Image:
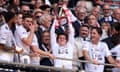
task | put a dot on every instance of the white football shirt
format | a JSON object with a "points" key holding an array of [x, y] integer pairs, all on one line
{"points": [[98, 52]]}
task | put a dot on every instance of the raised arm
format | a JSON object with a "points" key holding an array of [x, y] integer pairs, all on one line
{"points": [[28, 40], [71, 33], [52, 34]]}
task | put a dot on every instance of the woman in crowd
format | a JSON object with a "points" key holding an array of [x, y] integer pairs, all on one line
{"points": [[106, 26], [96, 51]]}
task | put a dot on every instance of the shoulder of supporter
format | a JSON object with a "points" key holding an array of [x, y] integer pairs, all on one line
{"points": [[85, 45], [21, 31], [106, 49], [78, 41], [4, 27], [104, 44]]}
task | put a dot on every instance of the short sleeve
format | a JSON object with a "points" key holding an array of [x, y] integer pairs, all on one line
{"points": [[4, 34], [35, 41], [3, 37], [85, 46], [22, 32], [107, 51]]}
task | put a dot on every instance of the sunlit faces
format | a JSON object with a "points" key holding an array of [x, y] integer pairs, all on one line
{"points": [[37, 14], [46, 37], [81, 13], [19, 19], [16, 2], [84, 32], [106, 26], [96, 12], [81, 4], [2, 2], [47, 21], [62, 40], [27, 22], [46, 11], [116, 14], [92, 21], [25, 9], [38, 3], [95, 34], [106, 10]]}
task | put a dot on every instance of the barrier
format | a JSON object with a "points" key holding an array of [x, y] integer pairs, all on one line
{"points": [[31, 68], [35, 68]]}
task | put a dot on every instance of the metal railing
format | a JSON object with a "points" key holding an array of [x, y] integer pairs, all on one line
{"points": [[31, 68], [35, 68]]}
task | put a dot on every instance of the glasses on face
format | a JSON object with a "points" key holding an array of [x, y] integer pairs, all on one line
{"points": [[26, 11], [81, 12], [19, 17], [91, 18], [106, 9], [29, 21], [37, 17]]}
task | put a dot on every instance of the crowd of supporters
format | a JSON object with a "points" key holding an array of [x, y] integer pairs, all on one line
{"points": [[71, 29]]}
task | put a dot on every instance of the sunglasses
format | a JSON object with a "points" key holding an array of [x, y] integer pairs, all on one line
{"points": [[37, 16]]}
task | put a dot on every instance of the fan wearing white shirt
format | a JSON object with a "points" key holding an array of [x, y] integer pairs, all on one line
{"points": [[115, 51], [26, 39], [6, 41], [96, 51], [63, 47]]}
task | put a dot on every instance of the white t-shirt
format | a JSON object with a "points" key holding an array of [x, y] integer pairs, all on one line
{"points": [[63, 52], [97, 52], [116, 50], [21, 33], [6, 39], [66, 51], [35, 59]]}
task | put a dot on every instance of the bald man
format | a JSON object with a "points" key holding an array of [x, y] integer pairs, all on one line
{"points": [[81, 14], [107, 14], [116, 15]]}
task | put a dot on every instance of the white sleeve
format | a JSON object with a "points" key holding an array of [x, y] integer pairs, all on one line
{"points": [[22, 33], [3, 37], [85, 46], [4, 34], [73, 17], [71, 34], [52, 34], [107, 51], [35, 41], [115, 50]]}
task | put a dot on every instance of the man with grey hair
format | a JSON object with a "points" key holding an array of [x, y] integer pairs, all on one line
{"points": [[81, 14], [107, 14], [81, 3], [116, 15], [45, 21]]}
